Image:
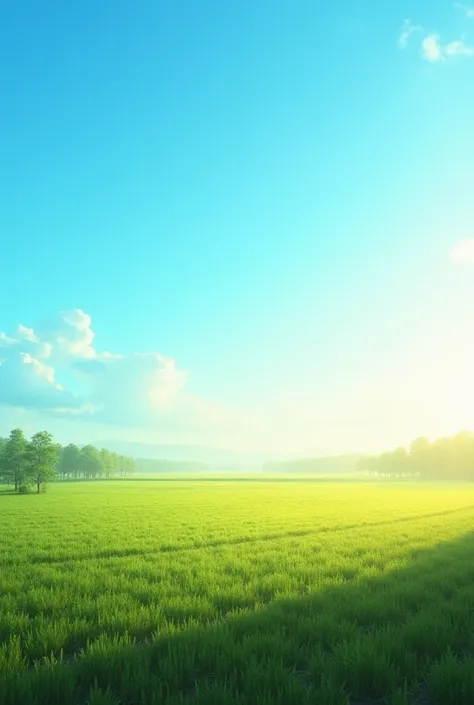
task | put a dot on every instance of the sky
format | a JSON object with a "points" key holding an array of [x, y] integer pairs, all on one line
{"points": [[246, 225]]}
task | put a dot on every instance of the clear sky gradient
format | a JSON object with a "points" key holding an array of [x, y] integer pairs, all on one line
{"points": [[267, 194]]}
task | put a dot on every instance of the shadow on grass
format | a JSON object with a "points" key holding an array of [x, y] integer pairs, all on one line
{"points": [[400, 638]]}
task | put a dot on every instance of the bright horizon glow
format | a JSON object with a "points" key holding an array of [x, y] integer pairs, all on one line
{"points": [[463, 253], [236, 227]]}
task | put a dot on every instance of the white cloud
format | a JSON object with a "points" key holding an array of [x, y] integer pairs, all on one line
{"points": [[27, 382], [458, 48], [406, 31], [24, 342], [142, 390], [463, 253], [133, 388], [145, 396], [39, 368], [26, 334], [468, 11], [431, 49], [5, 341], [70, 334]]}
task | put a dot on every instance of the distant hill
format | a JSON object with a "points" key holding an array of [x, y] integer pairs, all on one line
{"points": [[155, 457], [213, 458], [343, 464], [150, 465]]}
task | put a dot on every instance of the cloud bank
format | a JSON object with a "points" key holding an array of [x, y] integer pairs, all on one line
{"points": [[53, 375], [55, 368]]}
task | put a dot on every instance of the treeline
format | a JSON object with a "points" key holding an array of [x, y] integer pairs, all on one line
{"points": [[33, 463], [90, 462], [443, 459]]}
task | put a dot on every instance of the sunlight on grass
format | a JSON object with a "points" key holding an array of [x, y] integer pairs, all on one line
{"points": [[241, 592]]}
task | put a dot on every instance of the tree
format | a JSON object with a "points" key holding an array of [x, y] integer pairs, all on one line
{"points": [[14, 459], [400, 462], [362, 465], [107, 462], [114, 463], [43, 457], [462, 456], [421, 459], [122, 465], [90, 461], [441, 465], [70, 460], [372, 465], [385, 464]]}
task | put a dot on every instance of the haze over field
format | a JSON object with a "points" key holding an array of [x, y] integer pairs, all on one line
{"points": [[247, 228], [236, 352]]}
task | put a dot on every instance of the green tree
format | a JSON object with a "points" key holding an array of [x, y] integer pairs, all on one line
{"points": [[3, 442], [122, 465], [90, 461], [14, 459], [400, 462], [107, 462], [441, 464], [114, 463], [362, 465], [421, 457], [43, 457], [385, 464], [462, 456], [70, 460], [373, 465]]}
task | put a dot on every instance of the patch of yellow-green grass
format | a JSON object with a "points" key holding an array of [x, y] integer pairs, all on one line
{"points": [[198, 591]]}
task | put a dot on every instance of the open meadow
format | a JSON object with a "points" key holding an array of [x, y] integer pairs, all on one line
{"points": [[220, 592]]}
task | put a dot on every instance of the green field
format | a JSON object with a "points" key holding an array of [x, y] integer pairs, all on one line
{"points": [[237, 592]]}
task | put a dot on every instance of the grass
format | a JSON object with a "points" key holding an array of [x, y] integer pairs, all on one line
{"points": [[233, 593]]}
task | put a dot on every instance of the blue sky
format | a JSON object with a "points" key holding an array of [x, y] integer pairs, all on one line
{"points": [[260, 198]]}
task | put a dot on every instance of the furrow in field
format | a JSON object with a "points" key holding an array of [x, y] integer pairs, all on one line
{"points": [[236, 541]]}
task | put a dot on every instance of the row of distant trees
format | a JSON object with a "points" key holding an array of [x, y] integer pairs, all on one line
{"points": [[90, 462], [443, 459], [35, 462]]}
